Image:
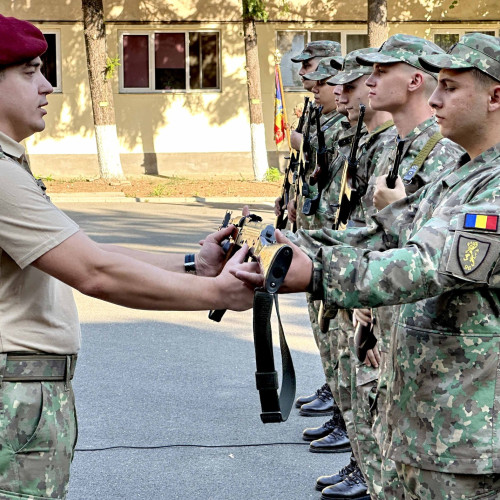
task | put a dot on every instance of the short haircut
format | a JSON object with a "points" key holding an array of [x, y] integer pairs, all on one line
{"points": [[482, 79]]}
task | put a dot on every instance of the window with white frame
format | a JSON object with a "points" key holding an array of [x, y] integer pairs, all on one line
{"points": [[51, 59], [449, 37], [291, 43], [163, 61]]}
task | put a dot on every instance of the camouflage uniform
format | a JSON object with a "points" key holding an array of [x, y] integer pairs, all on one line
{"points": [[415, 175], [443, 398], [331, 124]]}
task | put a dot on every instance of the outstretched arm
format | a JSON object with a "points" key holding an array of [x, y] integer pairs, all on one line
{"points": [[121, 279]]}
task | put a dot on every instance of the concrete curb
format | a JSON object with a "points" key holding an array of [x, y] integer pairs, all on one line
{"points": [[113, 197]]}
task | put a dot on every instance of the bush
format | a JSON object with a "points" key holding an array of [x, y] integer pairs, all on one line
{"points": [[272, 175]]}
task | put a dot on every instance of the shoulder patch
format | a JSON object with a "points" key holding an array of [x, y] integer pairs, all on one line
{"points": [[473, 256], [471, 253]]}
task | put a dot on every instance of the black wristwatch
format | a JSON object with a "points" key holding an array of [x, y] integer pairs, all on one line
{"points": [[189, 263]]}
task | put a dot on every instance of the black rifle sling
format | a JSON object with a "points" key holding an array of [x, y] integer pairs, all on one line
{"points": [[274, 408]]}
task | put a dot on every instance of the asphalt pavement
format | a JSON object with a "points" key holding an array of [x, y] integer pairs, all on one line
{"points": [[166, 401]]}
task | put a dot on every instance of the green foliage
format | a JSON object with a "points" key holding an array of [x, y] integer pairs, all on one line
{"points": [[255, 9], [49, 177], [272, 175], [158, 190], [453, 4], [285, 7], [111, 66]]}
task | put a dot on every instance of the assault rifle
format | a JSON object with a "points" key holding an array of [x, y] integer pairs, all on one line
{"points": [[348, 198], [301, 186], [290, 171], [320, 174], [364, 338], [275, 259]]}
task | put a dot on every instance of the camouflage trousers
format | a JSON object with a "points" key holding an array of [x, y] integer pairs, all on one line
{"points": [[357, 387], [389, 483], [422, 484], [324, 345], [38, 432]]}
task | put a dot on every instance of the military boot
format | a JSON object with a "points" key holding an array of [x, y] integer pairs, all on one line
{"points": [[353, 487], [335, 442], [324, 481], [322, 405], [307, 399]]}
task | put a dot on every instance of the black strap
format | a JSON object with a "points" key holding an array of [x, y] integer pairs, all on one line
{"points": [[274, 408]]}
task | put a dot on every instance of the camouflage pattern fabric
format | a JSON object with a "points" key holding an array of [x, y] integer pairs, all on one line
{"points": [[421, 483], [327, 345], [402, 48], [387, 482], [332, 136], [318, 48], [444, 271], [38, 434], [363, 379], [474, 50]]}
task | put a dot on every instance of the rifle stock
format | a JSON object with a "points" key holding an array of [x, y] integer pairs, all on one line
{"points": [[275, 258], [281, 219]]}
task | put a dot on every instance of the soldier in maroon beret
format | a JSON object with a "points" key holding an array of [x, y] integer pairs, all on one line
{"points": [[43, 254]]}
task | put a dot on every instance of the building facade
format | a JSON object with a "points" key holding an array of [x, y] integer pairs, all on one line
{"points": [[180, 91]]}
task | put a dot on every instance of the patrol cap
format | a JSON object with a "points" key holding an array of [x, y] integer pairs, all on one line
{"points": [[319, 48], [324, 70], [351, 69], [402, 48], [20, 41], [474, 50]]}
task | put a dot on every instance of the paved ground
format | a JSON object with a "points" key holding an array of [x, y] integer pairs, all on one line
{"points": [[175, 392]]}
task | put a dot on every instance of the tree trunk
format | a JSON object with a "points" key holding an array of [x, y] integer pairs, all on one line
{"points": [[257, 131], [101, 93], [377, 22]]}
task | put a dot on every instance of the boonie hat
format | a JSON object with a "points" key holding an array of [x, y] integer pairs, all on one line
{"points": [[402, 48], [474, 50], [351, 69], [20, 41], [324, 70], [319, 48]]}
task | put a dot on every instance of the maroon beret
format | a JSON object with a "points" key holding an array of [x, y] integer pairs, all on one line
{"points": [[20, 41]]}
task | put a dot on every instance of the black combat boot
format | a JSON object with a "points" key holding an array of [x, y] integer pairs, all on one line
{"points": [[307, 399], [322, 405], [335, 442], [324, 481], [353, 487]]}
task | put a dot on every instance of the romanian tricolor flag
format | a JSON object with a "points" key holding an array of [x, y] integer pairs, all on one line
{"points": [[479, 221], [279, 109]]}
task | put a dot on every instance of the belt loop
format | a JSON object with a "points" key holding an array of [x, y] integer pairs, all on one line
{"points": [[3, 365], [67, 373]]}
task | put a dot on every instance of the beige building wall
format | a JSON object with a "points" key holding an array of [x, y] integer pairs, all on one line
{"points": [[198, 133]]}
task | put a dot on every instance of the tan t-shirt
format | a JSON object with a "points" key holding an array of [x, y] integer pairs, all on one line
{"points": [[37, 312]]}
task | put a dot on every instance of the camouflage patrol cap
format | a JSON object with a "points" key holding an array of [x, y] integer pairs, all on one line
{"points": [[324, 70], [351, 69], [319, 48], [402, 48], [474, 50]]}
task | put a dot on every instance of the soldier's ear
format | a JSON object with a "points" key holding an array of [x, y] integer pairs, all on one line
{"points": [[417, 80], [494, 98]]}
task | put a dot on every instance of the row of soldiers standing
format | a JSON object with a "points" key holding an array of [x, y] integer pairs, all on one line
{"points": [[393, 89]]}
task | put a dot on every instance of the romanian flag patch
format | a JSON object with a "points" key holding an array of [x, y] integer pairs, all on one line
{"points": [[477, 221]]}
